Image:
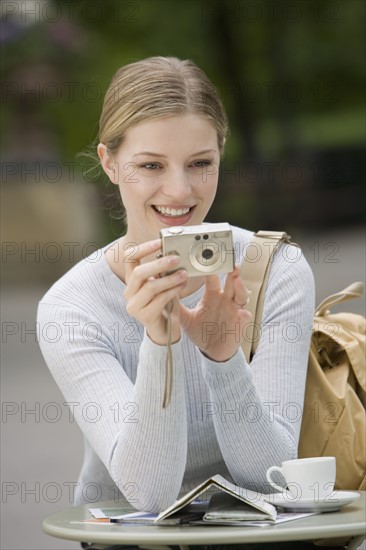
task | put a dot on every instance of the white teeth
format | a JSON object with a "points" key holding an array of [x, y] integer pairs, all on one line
{"points": [[172, 211]]}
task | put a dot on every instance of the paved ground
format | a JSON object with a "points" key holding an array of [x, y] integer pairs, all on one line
{"points": [[41, 448]]}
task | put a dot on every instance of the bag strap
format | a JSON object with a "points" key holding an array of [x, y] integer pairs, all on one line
{"points": [[254, 271], [354, 290]]}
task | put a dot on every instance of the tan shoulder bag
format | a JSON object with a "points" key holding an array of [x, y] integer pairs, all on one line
{"points": [[334, 420]]}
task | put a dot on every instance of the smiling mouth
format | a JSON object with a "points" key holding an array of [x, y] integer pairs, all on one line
{"points": [[173, 212]]}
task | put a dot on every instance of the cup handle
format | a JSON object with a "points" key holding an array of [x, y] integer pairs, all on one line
{"points": [[268, 476]]}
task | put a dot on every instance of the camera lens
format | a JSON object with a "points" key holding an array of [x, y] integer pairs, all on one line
{"points": [[205, 237], [207, 253], [205, 256]]}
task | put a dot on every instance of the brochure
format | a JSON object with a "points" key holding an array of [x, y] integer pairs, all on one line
{"points": [[216, 501], [256, 505]]}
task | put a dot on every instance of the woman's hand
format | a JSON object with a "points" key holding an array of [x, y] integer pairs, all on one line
{"points": [[147, 293], [216, 325]]}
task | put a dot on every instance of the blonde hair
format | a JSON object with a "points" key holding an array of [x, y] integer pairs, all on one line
{"points": [[158, 87]]}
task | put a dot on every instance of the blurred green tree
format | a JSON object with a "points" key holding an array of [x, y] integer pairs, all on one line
{"points": [[291, 75]]}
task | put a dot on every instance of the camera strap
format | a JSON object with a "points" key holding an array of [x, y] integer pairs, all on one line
{"points": [[169, 358], [255, 272]]}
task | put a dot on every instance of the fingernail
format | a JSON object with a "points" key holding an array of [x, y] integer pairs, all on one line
{"points": [[172, 259]]}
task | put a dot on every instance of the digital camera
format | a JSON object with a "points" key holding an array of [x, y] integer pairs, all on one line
{"points": [[203, 249]]}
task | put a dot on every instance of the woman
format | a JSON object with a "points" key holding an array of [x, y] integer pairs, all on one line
{"points": [[162, 134]]}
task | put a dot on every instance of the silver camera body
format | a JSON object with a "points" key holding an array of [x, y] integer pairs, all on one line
{"points": [[203, 249]]}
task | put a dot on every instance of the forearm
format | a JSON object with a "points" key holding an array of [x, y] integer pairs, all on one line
{"points": [[138, 442], [251, 432], [151, 451], [268, 395]]}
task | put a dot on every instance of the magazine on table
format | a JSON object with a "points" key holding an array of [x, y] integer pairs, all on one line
{"points": [[256, 506], [221, 503]]}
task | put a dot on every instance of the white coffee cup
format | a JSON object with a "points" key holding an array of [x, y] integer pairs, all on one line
{"points": [[306, 478]]}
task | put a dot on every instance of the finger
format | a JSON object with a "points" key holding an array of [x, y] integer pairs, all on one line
{"points": [[153, 287], [148, 272], [241, 294], [134, 253], [244, 316], [213, 283], [160, 301], [232, 279]]}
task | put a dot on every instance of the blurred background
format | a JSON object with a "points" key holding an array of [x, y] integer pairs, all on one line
{"points": [[292, 77]]}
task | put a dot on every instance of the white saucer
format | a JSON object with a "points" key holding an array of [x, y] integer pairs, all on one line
{"points": [[335, 501]]}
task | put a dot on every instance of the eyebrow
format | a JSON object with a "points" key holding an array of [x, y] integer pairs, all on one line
{"points": [[151, 154]]}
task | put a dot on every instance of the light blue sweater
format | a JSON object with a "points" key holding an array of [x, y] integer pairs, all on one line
{"points": [[228, 418]]}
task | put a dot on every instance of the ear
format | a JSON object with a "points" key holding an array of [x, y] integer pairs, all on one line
{"points": [[108, 163]]}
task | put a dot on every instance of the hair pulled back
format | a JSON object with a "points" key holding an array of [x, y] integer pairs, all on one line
{"points": [[158, 87]]}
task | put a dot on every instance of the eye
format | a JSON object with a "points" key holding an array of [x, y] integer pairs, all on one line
{"points": [[150, 165], [202, 163]]}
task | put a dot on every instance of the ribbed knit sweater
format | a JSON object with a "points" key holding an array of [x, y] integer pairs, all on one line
{"points": [[229, 418]]}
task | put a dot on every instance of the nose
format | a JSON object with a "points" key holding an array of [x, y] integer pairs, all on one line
{"points": [[177, 186]]}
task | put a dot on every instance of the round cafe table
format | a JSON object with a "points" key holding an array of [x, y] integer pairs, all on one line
{"points": [[350, 521]]}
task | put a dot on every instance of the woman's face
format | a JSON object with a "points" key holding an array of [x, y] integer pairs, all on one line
{"points": [[167, 172]]}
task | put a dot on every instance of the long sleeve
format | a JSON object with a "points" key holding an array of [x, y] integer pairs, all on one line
{"points": [[257, 409], [138, 441], [229, 418]]}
